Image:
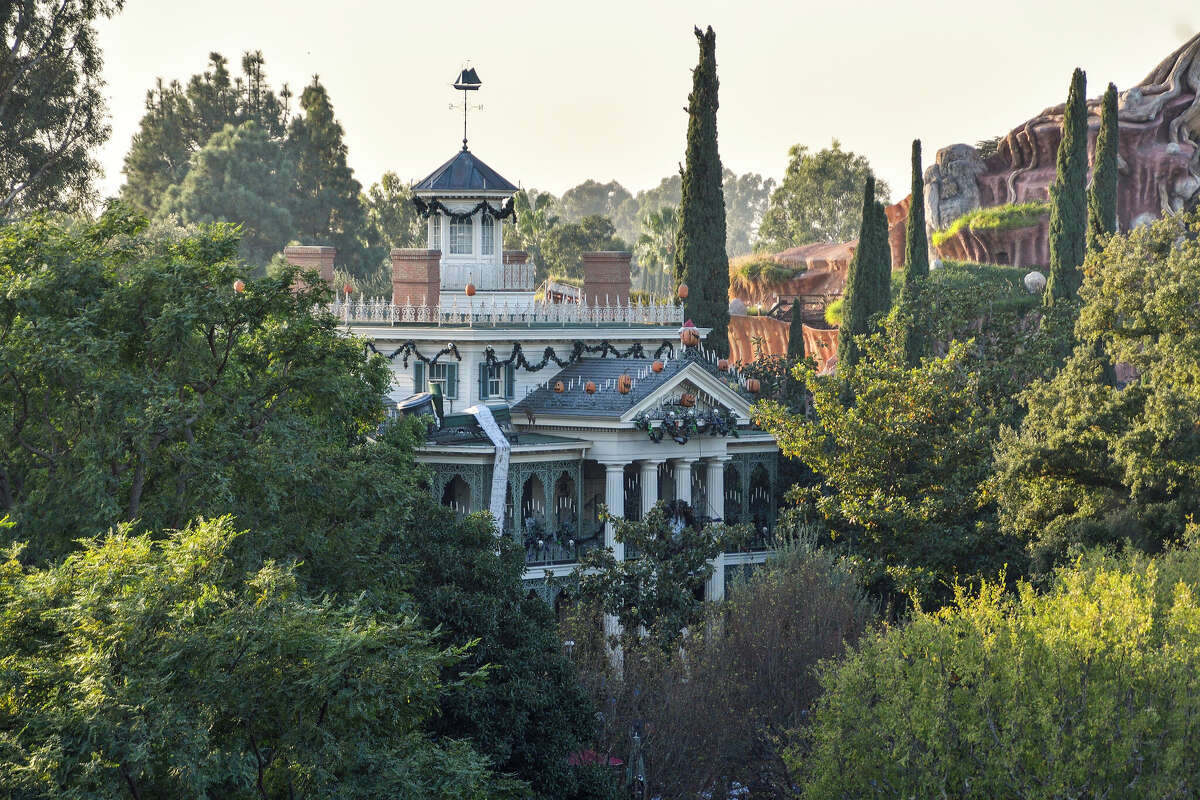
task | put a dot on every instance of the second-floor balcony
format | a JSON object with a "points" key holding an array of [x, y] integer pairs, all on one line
{"points": [[487, 276]]}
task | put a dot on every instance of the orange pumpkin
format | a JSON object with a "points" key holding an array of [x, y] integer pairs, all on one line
{"points": [[683, 291], [348, 289], [559, 388], [689, 337], [657, 366], [624, 384], [723, 364], [687, 400], [239, 286], [470, 290], [752, 385], [590, 388]]}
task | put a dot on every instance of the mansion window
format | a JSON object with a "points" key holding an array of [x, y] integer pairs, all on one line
{"points": [[460, 238], [496, 381], [435, 232], [487, 234], [444, 376]]}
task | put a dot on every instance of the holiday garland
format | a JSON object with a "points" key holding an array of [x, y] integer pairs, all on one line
{"points": [[578, 349], [683, 423], [507, 209], [409, 350]]}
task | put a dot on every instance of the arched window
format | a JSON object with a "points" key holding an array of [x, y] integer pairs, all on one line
{"points": [[487, 234], [460, 238], [435, 231]]}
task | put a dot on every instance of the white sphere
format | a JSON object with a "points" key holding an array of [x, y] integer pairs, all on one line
{"points": [[1035, 282]]}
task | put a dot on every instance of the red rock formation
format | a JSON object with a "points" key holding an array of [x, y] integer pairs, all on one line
{"points": [[1020, 247], [897, 217], [824, 274], [748, 335]]}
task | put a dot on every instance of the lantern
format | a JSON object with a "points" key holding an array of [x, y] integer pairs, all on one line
{"points": [[470, 290], [689, 337], [723, 364], [348, 289], [590, 388], [657, 366], [687, 400], [683, 291], [624, 384], [559, 388], [752, 385], [239, 286]]}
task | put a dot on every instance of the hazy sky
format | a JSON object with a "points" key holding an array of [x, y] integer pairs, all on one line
{"points": [[596, 90]]}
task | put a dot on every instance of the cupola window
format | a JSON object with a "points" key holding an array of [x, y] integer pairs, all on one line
{"points": [[460, 238], [487, 234], [435, 232]]}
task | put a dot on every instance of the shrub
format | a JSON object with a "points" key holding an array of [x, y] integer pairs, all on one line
{"points": [[994, 218]]}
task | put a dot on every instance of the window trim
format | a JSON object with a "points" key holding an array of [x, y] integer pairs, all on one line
{"points": [[487, 234], [456, 239]]}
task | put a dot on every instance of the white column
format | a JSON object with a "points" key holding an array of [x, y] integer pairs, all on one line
{"points": [[614, 498], [683, 479], [714, 489], [649, 485]]}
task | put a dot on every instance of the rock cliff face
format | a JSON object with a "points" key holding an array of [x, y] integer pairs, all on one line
{"points": [[1159, 163], [1019, 247]]}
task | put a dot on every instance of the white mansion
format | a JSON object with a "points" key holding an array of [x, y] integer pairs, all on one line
{"points": [[554, 403]]}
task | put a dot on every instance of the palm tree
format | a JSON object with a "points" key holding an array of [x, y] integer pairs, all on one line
{"points": [[534, 222], [656, 249]]}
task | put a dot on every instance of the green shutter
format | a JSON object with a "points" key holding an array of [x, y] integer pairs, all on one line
{"points": [[419, 377], [452, 381], [483, 381], [510, 381]]}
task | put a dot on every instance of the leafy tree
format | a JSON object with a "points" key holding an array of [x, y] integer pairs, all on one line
{"points": [[1099, 462], [52, 111], [391, 215], [242, 177], [324, 200], [566, 242], [818, 199], [138, 668], [1068, 206], [746, 199], [594, 199], [1102, 194], [916, 262], [533, 225], [655, 250], [1084, 690], [700, 258], [180, 120], [868, 280]]}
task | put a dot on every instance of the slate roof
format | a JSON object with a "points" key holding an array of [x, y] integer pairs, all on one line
{"points": [[464, 173], [607, 401]]}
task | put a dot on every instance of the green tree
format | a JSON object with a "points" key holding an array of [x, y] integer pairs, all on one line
{"points": [[916, 263], [531, 231], [818, 199], [239, 176], [1102, 462], [592, 198], [700, 258], [391, 215], [655, 250], [565, 243], [1068, 206], [142, 668], [52, 113], [746, 199], [868, 280], [1084, 690], [1102, 194], [324, 201]]}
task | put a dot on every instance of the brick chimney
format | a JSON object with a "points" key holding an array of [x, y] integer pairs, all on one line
{"points": [[516, 257], [316, 257], [606, 277], [416, 276]]}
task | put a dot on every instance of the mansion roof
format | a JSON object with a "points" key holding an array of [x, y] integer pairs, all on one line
{"points": [[464, 173]]}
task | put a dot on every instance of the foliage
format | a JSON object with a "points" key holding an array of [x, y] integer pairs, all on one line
{"points": [[566, 242], [916, 264], [532, 227], [594, 199], [51, 103], [818, 200], [655, 250], [746, 199], [159, 669], [1068, 206], [325, 202], [1102, 194], [1085, 690], [835, 312], [700, 258], [753, 271], [1096, 461], [868, 279], [239, 176], [994, 218], [391, 221]]}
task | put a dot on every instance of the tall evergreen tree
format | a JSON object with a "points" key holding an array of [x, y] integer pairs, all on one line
{"points": [[859, 300], [1068, 207], [881, 281], [700, 258], [326, 202], [916, 262], [1102, 196]]}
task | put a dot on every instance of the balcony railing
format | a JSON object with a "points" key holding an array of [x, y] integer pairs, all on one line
{"points": [[498, 311], [488, 277]]}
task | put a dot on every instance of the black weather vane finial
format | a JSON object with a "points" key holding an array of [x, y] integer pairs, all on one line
{"points": [[468, 81]]}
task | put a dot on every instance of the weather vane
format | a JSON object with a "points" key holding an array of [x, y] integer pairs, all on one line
{"points": [[467, 81]]}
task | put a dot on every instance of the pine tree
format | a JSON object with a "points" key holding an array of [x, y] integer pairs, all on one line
{"points": [[916, 263], [858, 295], [700, 258], [881, 283], [326, 202], [1102, 196], [1068, 207]]}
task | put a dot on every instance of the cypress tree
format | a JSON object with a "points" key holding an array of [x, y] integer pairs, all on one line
{"points": [[700, 258], [1068, 207], [881, 284], [1102, 196], [795, 351], [858, 300], [916, 263]]}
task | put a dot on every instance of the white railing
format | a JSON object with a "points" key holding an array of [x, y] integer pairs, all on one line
{"points": [[494, 311], [488, 276]]}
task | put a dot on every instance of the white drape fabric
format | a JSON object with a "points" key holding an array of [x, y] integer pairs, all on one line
{"points": [[483, 415]]}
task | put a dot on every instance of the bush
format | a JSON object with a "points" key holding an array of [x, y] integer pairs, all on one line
{"points": [[994, 218], [754, 270], [1086, 691]]}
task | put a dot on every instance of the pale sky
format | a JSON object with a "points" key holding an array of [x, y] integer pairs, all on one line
{"points": [[577, 90]]}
